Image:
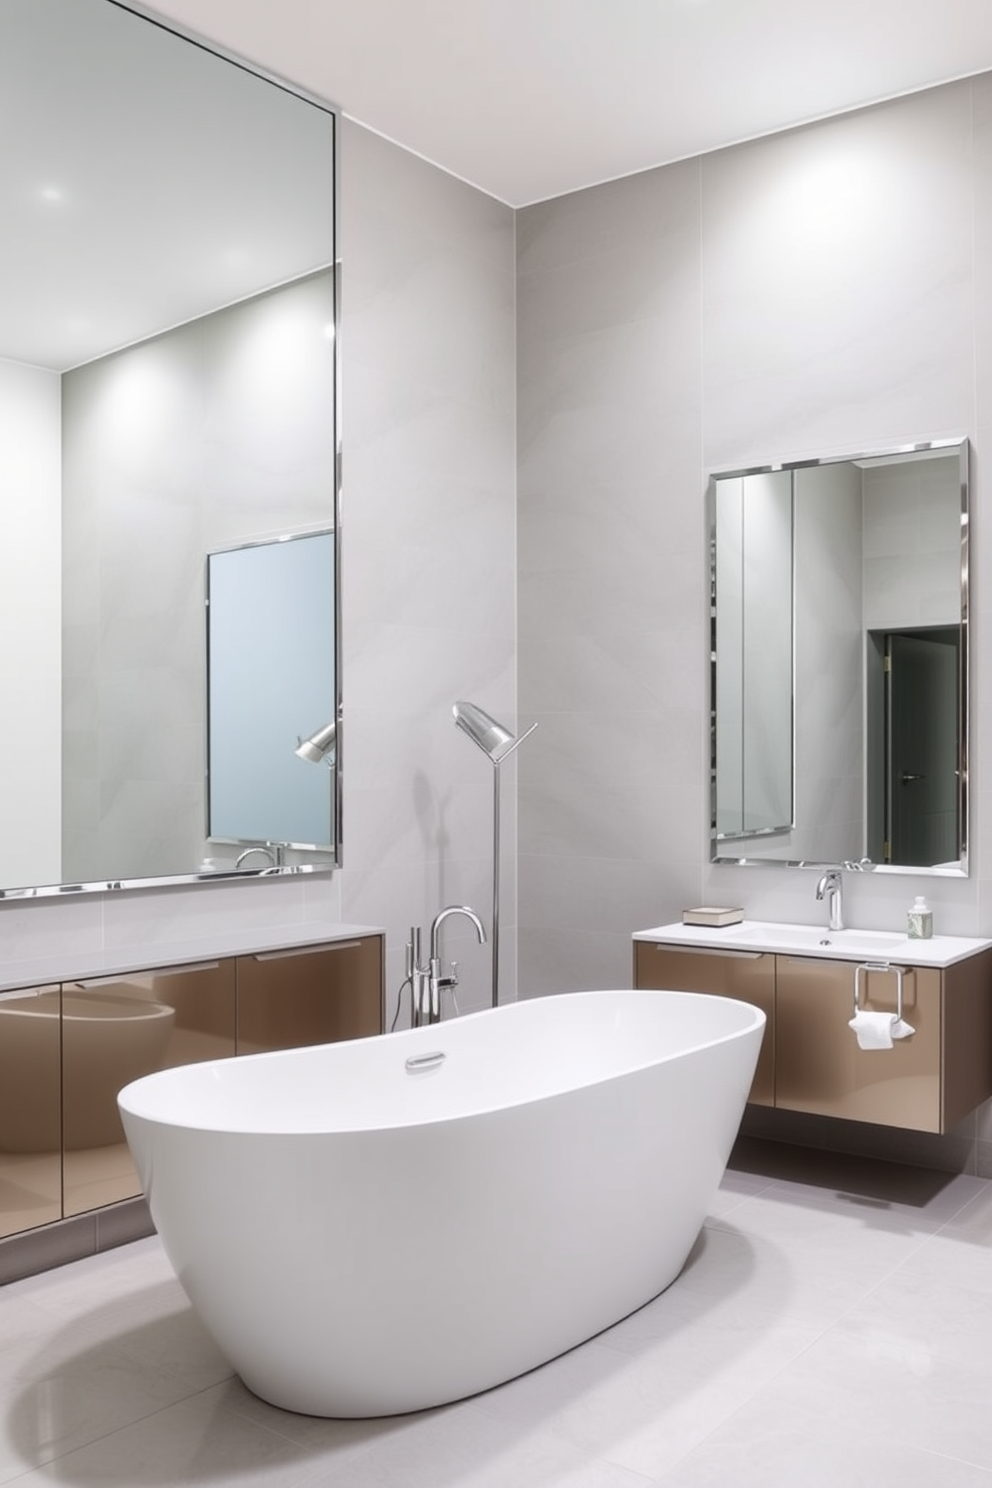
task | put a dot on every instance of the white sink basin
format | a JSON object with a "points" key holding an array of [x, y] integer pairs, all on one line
{"points": [[810, 939], [771, 936]]}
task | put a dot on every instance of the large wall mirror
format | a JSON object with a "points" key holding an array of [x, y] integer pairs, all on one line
{"points": [[839, 661], [168, 390]]}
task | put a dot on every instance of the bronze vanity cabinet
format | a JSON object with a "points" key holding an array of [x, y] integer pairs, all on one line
{"points": [[746, 975], [115, 1029], [67, 1049], [313, 995], [811, 1061], [819, 1065], [928, 1082], [30, 1109]]}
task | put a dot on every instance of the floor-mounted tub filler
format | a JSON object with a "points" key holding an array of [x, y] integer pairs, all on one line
{"points": [[379, 1226]]}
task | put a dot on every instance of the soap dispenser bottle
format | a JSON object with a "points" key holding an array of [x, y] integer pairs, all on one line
{"points": [[920, 920]]}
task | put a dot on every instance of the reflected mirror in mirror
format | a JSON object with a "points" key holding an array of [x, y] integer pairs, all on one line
{"points": [[753, 559], [270, 648], [839, 661], [168, 312]]}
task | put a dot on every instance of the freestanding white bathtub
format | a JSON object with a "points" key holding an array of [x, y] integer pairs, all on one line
{"points": [[378, 1226]]}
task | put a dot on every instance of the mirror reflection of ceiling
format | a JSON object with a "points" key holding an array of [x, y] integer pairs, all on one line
{"points": [[167, 378], [528, 99], [86, 264]]}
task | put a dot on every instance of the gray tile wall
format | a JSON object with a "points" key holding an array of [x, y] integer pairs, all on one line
{"points": [[612, 598], [817, 292], [429, 531]]}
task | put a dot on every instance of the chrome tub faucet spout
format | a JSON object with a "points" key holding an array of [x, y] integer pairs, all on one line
{"points": [[428, 981], [830, 888]]}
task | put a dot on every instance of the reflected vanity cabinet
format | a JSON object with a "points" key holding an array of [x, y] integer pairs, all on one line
{"points": [[810, 1058], [67, 1048]]}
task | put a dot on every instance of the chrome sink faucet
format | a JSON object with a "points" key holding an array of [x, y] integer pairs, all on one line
{"points": [[428, 981], [271, 851], [831, 888]]}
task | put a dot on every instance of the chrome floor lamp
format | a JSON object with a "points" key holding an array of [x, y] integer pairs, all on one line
{"points": [[496, 743]]}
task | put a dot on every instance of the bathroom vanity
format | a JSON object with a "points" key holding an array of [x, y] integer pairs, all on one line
{"points": [[808, 982], [68, 1044]]}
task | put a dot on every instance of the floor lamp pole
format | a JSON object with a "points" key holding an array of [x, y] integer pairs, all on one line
{"points": [[495, 927]]}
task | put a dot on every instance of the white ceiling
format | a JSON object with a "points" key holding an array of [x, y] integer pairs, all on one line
{"points": [[532, 98], [213, 189]]}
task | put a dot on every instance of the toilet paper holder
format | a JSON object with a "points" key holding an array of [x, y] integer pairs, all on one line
{"points": [[899, 972]]}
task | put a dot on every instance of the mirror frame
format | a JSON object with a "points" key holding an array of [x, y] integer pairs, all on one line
{"points": [[961, 445], [330, 859]]}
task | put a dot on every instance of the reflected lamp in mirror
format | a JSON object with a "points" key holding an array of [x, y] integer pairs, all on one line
{"points": [[839, 661], [319, 748], [270, 662]]}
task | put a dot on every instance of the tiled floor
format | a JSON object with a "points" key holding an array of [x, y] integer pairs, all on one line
{"points": [[832, 1328]]}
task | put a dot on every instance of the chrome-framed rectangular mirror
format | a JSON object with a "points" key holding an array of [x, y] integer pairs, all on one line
{"points": [[169, 386], [839, 661]]}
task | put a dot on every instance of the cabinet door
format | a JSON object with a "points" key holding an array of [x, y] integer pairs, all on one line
{"points": [[748, 976], [820, 1066], [113, 1031], [30, 1110], [312, 996]]}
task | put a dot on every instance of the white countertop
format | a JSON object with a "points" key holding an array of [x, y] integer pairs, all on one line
{"points": [[61, 967], [817, 941]]}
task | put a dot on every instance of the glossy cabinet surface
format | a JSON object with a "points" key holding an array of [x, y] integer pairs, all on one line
{"points": [[820, 1066], [67, 1049], [314, 996], [811, 1060], [746, 975], [114, 1031], [30, 1109]]}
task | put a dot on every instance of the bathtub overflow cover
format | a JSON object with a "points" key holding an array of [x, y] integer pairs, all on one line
{"points": [[418, 1062]]}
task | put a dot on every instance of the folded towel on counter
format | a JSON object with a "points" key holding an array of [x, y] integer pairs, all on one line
{"points": [[877, 1030]]}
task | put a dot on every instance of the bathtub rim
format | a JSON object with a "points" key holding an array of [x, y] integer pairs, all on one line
{"points": [[130, 1103]]}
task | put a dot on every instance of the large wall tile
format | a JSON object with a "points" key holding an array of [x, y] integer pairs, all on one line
{"points": [[837, 283], [428, 543], [611, 550]]}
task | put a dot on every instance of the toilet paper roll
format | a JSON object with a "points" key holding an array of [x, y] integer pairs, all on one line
{"points": [[877, 1030]]}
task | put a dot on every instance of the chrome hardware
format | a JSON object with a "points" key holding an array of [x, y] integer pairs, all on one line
{"points": [[899, 972], [691, 950], [830, 887], [418, 1062], [428, 981], [273, 851], [907, 777], [307, 950]]}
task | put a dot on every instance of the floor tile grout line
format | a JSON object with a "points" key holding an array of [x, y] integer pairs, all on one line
{"points": [[951, 1457], [139, 1420], [743, 1405]]}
